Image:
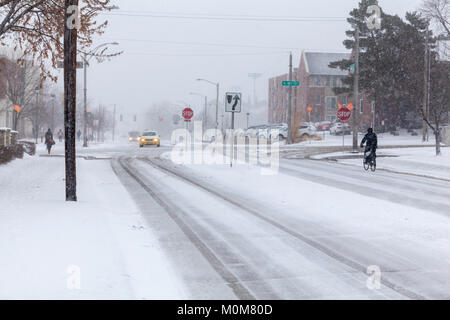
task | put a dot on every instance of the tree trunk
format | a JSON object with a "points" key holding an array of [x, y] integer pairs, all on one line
{"points": [[438, 140], [70, 80]]}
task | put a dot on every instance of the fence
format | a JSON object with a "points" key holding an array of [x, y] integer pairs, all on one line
{"points": [[11, 148]]}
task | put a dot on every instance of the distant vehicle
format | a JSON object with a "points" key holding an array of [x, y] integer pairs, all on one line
{"points": [[307, 129], [149, 138], [324, 126], [257, 131], [133, 136], [266, 131], [340, 129]]}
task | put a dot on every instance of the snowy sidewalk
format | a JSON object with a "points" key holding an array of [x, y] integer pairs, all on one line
{"points": [[98, 248]]}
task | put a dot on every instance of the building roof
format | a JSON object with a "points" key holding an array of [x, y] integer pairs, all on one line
{"points": [[317, 63]]}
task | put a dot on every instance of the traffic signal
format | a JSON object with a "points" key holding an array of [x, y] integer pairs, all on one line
{"points": [[135, 118], [121, 118], [161, 118]]}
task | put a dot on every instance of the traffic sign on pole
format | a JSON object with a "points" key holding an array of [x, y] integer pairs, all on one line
{"points": [[188, 114], [344, 114], [233, 102], [291, 83]]}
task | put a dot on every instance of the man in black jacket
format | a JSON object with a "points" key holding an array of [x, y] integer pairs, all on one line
{"points": [[371, 141]]}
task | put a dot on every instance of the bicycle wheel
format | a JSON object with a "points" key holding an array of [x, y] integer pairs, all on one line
{"points": [[366, 165], [373, 165]]}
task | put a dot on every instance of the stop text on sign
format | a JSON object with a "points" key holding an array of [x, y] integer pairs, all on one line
{"points": [[344, 114], [188, 114]]}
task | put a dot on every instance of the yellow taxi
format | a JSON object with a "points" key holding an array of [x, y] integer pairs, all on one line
{"points": [[149, 138]]}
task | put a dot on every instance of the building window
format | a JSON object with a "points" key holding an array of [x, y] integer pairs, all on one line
{"points": [[318, 99], [331, 105], [328, 81], [361, 104], [318, 82], [343, 100], [334, 82]]}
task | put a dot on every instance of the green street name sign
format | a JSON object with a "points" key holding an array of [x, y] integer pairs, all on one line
{"points": [[352, 68], [291, 83]]}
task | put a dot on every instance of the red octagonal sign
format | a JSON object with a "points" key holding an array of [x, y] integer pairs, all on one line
{"points": [[188, 113], [344, 114]]}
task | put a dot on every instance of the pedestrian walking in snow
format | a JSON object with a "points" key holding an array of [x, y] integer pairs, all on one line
{"points": [[49, 142]]}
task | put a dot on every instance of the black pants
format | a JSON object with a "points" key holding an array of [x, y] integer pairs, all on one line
{"points": [[373, 154]]}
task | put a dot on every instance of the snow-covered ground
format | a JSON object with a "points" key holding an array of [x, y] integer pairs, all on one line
{"points": [[418, 161], [384, 139], [147, 228], [97, 248], [383, 220]]}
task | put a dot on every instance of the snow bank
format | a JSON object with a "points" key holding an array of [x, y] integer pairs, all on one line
{"points": [[98, 248]]}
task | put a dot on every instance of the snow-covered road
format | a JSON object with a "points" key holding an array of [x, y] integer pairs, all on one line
{"points": [[147, 228], [311, 232]]}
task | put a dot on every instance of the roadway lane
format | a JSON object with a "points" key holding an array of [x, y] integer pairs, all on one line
{"points": [[223, 248]]}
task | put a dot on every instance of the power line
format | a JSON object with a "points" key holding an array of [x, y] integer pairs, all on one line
{"points": [[204, 54], [205, 44], [191, 16]]}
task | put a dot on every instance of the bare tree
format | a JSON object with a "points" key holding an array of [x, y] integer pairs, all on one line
{"points": [[35, 28], [439, 108], [438, 11]]}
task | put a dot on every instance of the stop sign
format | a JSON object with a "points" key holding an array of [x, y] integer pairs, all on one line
{"points": [[344, 114], [188, 113]]}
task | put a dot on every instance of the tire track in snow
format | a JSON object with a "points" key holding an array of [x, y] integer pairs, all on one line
{"points": [[238, 288], [312, 243]]}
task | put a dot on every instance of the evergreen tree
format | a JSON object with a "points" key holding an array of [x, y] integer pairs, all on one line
{"points": [[391, 62]]}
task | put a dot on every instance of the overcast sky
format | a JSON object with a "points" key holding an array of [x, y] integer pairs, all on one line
{"points": [[158, 65]]}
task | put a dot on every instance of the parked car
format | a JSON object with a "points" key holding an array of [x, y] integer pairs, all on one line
{"points": [[256, 131], [266, 131], [340, 129], [324, 126], [307, 129]]}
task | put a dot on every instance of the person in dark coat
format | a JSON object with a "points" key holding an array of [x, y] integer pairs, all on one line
{"points": [[49, 140], [371, 142], [79, 135]]}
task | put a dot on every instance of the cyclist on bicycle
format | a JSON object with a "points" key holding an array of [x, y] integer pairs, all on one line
{"points": [[371, 141]]}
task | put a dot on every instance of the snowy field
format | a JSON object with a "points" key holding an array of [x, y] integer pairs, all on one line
{"points": [[97, 248]]}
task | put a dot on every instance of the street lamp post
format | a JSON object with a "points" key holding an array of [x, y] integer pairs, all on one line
{"points": [[217, 99], [36, 111], [86, 58]]}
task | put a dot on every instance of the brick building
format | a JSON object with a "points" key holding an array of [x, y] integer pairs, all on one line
{"points": [[317, 81]]}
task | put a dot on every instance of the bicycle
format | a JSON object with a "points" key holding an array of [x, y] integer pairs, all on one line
{"points": [[370, 161]]}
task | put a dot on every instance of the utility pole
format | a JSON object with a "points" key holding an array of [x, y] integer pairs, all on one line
{"points": [[114, 124], [248, 119], [85, 141], [71, 24], [254, 76], [289, 107], [205, 121], [217, 106], [356, 92], [36, 112], [426, 87]]}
